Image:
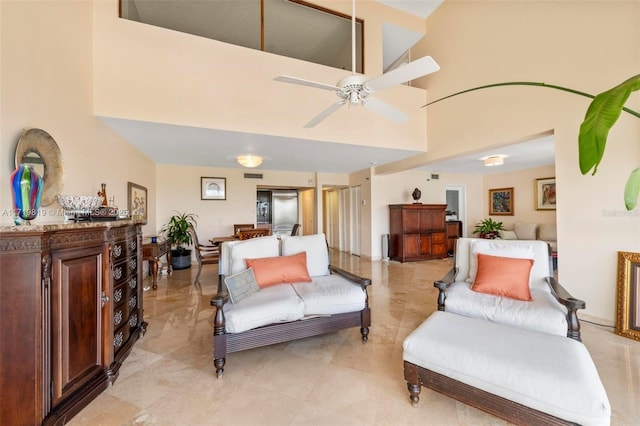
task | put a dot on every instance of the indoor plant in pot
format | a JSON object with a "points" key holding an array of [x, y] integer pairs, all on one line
{"points": [[178, 230], [488, 228]]}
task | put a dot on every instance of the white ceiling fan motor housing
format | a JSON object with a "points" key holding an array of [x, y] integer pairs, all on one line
{"points": [[353, 89]]}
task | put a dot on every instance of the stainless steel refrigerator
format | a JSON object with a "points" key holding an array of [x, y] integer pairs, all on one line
{"points": [[284, 211]]}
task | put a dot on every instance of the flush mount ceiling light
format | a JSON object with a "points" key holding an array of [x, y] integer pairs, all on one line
{"points": [[493, 160], [249, 160]]}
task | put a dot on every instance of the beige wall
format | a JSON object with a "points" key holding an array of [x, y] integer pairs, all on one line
{"points": [[46, 82], [522, 182], [585, 45], [153, 74], [178, 188]]}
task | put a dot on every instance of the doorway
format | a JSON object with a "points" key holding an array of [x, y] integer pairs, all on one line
{"points": [[456, 206]]}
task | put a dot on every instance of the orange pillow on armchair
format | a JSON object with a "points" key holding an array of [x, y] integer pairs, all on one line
{"points": [[503, 276], [280, 269]]}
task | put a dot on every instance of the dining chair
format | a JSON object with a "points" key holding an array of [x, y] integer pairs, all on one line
{"points": [[246, 234], [205, 254], [295, 229], [241, 226]]}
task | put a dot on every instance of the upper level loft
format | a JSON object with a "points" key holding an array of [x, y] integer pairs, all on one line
{"points": [[292, 28]]}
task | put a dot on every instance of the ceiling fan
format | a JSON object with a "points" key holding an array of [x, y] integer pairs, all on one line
{"points": [[355, 89]]}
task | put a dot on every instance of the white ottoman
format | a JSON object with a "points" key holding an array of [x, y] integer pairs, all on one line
{"points": [[523, 376]]}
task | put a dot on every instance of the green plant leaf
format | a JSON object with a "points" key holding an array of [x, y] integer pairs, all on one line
{"points": [[602, 114], [632, 189]]}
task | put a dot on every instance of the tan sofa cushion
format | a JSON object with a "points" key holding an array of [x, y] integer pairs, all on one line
{"points": [[526, 231]]}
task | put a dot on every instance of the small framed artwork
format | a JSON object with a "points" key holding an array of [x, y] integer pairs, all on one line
{"points": [[501, 201], [213, 188], [628, 295], [545, 193], [137, 202]]}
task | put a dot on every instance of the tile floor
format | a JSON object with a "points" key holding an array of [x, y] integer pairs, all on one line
{"points": [[334, 379]]}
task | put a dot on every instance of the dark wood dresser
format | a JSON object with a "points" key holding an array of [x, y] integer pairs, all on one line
{"points": [[454, 231], [70, 311], [417, 232]]}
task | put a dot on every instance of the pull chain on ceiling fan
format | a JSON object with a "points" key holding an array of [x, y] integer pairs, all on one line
{"points": [[355, 89]]}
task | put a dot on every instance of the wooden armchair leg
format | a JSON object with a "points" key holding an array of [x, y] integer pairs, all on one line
{"points": [[414, 393], [218, 363], [364, 331], [413, 382]]}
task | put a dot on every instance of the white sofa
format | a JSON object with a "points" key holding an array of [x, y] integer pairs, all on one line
{"points": [[333, 299], [532, 231], [551, 308]]}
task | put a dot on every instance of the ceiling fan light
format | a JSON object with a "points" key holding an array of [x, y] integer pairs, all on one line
{"points": [[249, 160], [493, 160], [353, 98]]}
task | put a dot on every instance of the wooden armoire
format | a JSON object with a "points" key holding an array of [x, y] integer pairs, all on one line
{"points": [[417, 232]]}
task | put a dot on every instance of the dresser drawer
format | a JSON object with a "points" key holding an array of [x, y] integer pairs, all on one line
{"points": [[122, 249]]}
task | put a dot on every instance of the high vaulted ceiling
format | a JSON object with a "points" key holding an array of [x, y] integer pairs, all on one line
{"points": [[157, 140]]}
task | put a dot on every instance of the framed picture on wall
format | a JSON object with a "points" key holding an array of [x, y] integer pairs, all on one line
{"points": [[627, 303], [213, 188], [137, 202], [545, 193], [501, 202]]}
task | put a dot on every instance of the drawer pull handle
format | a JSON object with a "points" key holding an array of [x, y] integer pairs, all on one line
{"points": [[133, 321], [103, 299], [118, 339]]}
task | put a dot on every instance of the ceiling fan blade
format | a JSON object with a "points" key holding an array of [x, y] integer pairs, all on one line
{"points": [[324, 114], [303, 82], [411, 71], [385, 110]]}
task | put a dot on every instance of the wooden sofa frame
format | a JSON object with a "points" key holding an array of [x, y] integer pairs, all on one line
{"points": [[557, 290], [225, 343], [510, 411]]}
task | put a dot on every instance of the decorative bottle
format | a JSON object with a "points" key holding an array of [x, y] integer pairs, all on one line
{"points": [[103, 192]]}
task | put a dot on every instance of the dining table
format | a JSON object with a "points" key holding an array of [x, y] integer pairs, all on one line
{"points": [[216, 241]]}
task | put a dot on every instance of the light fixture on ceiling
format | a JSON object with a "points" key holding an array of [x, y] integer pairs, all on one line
{"points": [[249, 160], [493, 160]]}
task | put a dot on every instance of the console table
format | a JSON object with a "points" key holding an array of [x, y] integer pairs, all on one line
{"points": [[153, 252]]}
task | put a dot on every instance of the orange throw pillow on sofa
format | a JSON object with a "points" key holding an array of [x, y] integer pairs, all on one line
{"points": [[503, 276], [280, 269]]}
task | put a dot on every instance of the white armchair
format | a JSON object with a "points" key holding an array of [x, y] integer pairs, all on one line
{"points": [[484, 286]]}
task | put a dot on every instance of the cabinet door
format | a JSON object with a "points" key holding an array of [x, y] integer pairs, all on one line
{"points": [[425, 245], [76, 309], [438, 244], [426, 220], [411, 246], [411, 221]]}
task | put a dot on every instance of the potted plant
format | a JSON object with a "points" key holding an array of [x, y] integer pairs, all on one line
{"points": [[178, 230], [488, 228]]}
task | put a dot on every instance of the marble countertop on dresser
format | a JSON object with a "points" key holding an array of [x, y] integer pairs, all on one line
{"points": [[48, 227]]}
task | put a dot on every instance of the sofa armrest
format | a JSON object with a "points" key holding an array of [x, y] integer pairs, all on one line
{"points": [[571, 303], [442, 284], [363, 282]]}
